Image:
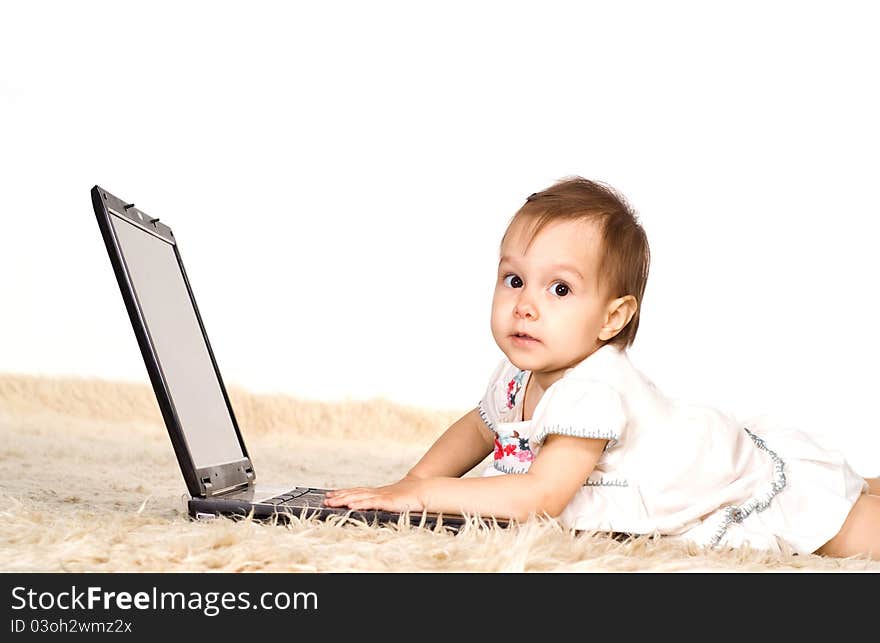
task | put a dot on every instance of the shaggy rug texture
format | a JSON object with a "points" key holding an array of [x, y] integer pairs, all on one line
{"points": [[89, 482]]}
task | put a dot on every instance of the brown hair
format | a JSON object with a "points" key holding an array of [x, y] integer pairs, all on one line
{"points": [[625, 258]]}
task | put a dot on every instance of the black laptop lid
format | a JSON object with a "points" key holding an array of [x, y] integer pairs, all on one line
{"points": [[175, 347]]}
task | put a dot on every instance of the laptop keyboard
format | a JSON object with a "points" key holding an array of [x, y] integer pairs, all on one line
{"points": [[298, 497]]}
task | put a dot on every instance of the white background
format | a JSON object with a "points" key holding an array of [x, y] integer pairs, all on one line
{"points": [[338, 176]]}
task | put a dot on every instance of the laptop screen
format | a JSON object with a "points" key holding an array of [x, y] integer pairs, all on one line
{"points": [[178, 344]]}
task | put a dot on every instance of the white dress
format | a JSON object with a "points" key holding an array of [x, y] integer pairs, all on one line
{"points": [[671, 468]]}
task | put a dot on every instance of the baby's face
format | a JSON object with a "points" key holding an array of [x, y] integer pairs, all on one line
{"points": [[551, 293]]}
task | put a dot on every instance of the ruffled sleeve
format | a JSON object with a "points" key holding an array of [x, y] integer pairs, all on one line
{"points": [[499, 402], [581, 408]]}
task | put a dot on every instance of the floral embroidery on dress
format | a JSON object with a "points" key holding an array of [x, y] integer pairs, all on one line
{"points": [[514, 446], [513, 387]]}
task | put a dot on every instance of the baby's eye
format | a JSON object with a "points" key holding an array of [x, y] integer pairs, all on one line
{"points": [[560, 288], [513, 281]]}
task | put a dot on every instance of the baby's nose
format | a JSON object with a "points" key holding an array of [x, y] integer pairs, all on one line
{"points": [[525, 308]]}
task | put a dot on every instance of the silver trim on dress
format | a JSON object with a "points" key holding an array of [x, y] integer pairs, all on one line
{"points": [[737, 514]]}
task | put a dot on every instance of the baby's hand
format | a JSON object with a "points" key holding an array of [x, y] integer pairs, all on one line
{"points": [[400, 496]]}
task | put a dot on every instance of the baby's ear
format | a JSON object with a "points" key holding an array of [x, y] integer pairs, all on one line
{"points": [[620, 312]]}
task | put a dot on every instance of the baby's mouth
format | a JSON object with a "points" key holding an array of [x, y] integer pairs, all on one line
{"points": [[525, 336]]}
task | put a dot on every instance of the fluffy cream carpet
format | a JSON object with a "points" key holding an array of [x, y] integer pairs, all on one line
{"points": [[89, 482]]}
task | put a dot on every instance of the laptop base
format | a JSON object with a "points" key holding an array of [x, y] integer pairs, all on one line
{"points": [[307, 507]]}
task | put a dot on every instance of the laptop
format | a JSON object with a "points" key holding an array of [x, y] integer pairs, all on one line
{"points": [[220, 477]]}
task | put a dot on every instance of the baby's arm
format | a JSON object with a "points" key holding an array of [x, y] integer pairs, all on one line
{"points": [[559, 470], [461, 447]]}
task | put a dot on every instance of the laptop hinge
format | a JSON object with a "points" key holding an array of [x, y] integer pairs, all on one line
{"points": [[224, 478], [211, 491]]}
